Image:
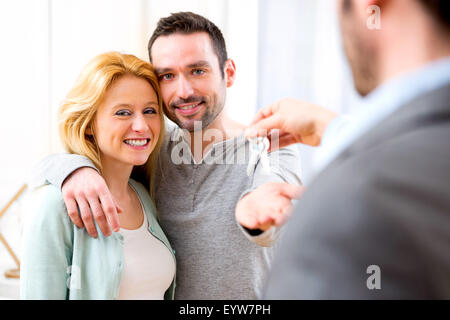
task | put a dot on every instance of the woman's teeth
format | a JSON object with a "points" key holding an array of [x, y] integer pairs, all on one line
{"points": [[137, 143]]}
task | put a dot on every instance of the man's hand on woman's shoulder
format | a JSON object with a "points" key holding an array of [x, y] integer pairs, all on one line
{"points": [[86, 190]]}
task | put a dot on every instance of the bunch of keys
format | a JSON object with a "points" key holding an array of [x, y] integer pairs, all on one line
{"points": [[258, 150]]}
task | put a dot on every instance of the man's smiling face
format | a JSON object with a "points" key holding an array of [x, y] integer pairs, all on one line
{"points": [[191, 81]]}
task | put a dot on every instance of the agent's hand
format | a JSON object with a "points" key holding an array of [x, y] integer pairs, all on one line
{"points": [[88, 191], [268, 205], [297, 122]]}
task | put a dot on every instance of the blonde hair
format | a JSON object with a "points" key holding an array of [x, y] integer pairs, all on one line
{"points": [[78, 110]]}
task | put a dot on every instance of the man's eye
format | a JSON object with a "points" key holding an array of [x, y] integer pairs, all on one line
{"points": [[123, 113], [166, 76], [150, 111], [198, 71]]}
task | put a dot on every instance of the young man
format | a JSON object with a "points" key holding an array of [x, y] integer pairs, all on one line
{"points": [[383, 229], [201, 174]]}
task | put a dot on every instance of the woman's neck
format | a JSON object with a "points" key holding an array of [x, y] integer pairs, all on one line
{"points": [[116, 176]]}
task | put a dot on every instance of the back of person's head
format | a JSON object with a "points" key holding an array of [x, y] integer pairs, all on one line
{"points": [[78, 110], [391, 37], [188, 23]]}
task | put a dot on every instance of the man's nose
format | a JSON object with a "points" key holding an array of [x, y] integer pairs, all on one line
{"points": [[184, 88]]}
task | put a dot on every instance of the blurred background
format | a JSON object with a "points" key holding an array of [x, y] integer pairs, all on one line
{"points": [[281, 48]]}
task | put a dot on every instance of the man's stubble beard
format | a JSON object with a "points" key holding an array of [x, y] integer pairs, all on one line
{"points": [[208, 117], [362, 55]]}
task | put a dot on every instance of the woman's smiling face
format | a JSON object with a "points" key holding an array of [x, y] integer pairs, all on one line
{"points": [[127, 123]]}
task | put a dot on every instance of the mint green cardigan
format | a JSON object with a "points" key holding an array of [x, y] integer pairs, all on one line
{"points": [[60, 261]]}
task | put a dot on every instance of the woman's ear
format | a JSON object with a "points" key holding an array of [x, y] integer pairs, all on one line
{"points": [[89, 131]]}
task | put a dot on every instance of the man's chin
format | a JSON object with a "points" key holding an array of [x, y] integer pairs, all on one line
{"points": [[363, 79], [364, 88], [196, 123], [191, 125]]}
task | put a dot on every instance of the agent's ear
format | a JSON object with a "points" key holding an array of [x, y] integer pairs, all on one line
{"points": [[380, 3], [364, 8], [367, 3], [374, 6], [89, 131], [230, 72]]}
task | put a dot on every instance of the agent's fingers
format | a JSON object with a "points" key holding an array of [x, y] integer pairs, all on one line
{"points": [[86, 216], [280, 141], [263, 127], [263, 113]]}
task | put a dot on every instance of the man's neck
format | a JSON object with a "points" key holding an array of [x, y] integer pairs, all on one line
{"points": [[406, 47], [221, 129]]}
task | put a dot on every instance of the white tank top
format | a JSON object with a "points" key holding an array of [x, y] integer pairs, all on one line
{"points": [[148, 268]]}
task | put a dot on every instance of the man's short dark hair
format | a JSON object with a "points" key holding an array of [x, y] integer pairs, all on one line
{"points": [[440, 10], [188, 23]]}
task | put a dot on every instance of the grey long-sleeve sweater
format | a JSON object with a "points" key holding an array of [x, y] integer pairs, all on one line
{"points": [[216, 257]]}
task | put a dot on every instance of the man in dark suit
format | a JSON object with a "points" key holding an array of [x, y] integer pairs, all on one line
{"points": [[375, 222]]}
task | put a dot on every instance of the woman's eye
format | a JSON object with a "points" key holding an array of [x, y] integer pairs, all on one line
{"points": [[150, 111], [166, 76], [123, 113]]}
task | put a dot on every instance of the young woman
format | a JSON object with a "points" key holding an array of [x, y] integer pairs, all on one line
{"points": [[113, 116]]}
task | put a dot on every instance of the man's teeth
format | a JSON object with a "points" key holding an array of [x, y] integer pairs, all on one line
{"points": [[136, 143], [189, 107]]}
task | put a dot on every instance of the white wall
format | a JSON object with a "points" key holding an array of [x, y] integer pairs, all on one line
{"points": [[24, 85], [301, 56]]}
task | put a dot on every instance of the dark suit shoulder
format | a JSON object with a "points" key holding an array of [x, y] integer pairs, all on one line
{"points": [[385, 201], [414, 167], [387, 205]]}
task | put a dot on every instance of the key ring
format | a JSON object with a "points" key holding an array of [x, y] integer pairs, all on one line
{"points": [[259, 144], [258, 150]]}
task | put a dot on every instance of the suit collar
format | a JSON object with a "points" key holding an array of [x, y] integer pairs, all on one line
{"points": [[427, 109]]}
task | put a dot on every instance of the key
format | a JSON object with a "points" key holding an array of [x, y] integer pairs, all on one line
{"points": [[265, 157], [258, 150], [255, 150]]}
